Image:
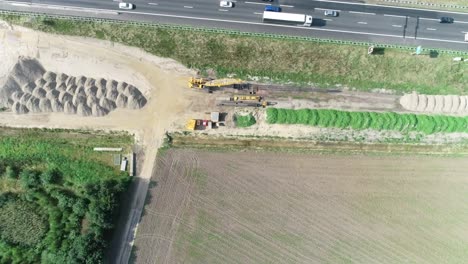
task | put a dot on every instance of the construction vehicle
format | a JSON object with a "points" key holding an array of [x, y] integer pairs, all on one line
{"points": [[214, 84], [245, 103], [201, 124], [238, 98]]}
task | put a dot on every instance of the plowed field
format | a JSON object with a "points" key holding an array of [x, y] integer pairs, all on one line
{"points": [[248, 207]]}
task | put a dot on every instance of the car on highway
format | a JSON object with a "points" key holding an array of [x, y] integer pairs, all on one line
{"points": [[226, 4], [267, 0], [331, 13], [127, 6], [272, 8], [446, 20]]}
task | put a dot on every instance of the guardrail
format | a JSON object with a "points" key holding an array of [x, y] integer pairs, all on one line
{"points": [[226, 31]]}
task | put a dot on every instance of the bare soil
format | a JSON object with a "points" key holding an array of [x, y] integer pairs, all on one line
{"points": [[264, 207]]}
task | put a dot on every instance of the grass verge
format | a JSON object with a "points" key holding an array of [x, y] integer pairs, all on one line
{"points": [[277, 60], [426, 124]]}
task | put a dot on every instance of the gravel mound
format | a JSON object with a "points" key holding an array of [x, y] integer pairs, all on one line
{"points": [[30, 88], [450, 104], [83, 110]]}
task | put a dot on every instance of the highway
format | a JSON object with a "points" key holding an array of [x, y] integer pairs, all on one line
{"points": [[356, 21]]}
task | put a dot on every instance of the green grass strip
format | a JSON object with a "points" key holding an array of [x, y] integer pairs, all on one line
{"points": [[427, 124]]}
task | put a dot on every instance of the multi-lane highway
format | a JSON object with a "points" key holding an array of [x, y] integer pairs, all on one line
{"points": [[356, 21]]}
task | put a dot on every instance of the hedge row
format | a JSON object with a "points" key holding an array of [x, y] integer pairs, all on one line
{"points": [[427, 124]]}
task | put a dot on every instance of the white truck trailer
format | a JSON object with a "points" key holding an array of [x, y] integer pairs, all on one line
{"points": [[287, 18]]}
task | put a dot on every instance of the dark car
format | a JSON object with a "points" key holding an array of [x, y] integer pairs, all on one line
{"points": [[446, 20], [267, 0]]}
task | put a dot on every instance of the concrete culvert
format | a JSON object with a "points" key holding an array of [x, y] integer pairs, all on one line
{"points": [[49, 76], [72, 89], [29, 87], [25, 98], [44, 105], [107, 104], [111, 85], [422, 102], [89, 82], [71, 80], [16, 95], [136, 102], [80, 81], [121, 101], [455, 103], [91, 100], [101, 92], [463, 103], [40, 82], [52, 94], [112, 95], [33, 105], [101, 83], [61, 78], [19, 108], [61, 87], [78, 99], [56, 106], [69, 108], [98, 111], [121, 87], [83, 110], [447, 104], [39, 92], [65, 97], [92, 90]]}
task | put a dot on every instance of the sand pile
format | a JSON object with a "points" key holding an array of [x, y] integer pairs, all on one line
{"points": [[450, 104], [29, 88]]}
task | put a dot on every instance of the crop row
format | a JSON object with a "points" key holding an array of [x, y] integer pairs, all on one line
{"points": [[428, 124]]}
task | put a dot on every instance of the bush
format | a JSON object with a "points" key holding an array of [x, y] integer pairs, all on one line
{"points": [[244, 121], [368, 120]]}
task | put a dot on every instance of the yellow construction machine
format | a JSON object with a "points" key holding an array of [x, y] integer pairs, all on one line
{"points": [[207, 83]]}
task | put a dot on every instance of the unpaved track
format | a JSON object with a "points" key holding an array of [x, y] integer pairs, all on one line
{"points": [[253, 207]]}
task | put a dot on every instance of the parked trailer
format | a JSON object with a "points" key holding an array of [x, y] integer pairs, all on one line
{"points": [[287, 18]]}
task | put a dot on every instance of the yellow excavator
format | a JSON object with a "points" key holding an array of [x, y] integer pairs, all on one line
{"points": [[207, 83]]}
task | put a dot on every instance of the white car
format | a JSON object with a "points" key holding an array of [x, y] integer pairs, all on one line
{"points": [[331, 13], [128, 6], [226, 4]]}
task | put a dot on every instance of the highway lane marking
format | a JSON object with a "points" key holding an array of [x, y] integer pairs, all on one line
{"points": [[327, 9], [394, 16], [363, 13], [364, 23], [224, 10], [394, 7], [431, 29], [253, 3], [328, 19], [443, 40], [153, 4], [432, 19], [397, 26], [257, 13], [263, 24], [286, 5], [188, 6]]}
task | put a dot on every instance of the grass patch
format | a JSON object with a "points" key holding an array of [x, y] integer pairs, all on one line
{"points": [[295, 61], [369, 120], [244, 120], [58, 198]]}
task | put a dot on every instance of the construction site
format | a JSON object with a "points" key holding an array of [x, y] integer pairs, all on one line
{"points": [[214, 202]]}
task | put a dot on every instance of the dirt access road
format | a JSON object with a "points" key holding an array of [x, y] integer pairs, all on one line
{"points": [[254, 207]]}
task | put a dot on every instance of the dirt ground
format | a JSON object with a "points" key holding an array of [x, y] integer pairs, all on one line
{"points": [[254, 207]]}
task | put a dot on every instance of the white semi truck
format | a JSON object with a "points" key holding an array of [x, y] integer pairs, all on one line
{"points": [[287, 18]]}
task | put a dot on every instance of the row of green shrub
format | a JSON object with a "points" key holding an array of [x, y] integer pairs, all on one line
{"points": [[244, 120], [427, 124]]}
